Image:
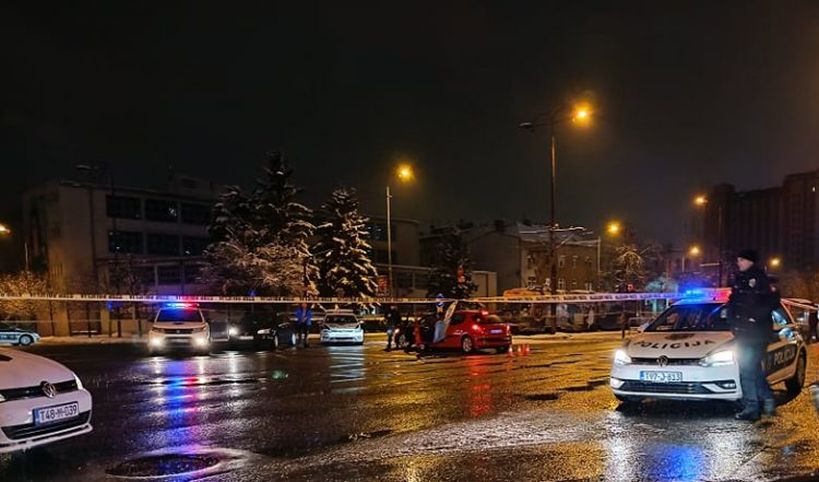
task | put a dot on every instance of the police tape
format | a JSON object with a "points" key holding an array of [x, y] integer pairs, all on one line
{"points": [[206, 299]]}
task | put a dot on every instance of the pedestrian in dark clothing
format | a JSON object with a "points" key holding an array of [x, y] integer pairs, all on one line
{"points": [[304, 320], [393, 319], [753, 299]]}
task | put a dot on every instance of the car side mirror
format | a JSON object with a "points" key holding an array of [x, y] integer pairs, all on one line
{"points": [[643, 327]]}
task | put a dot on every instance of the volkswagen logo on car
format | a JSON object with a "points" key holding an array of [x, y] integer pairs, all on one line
{"points": [[48, 389]]}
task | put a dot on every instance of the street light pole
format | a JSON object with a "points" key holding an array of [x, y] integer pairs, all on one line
{"points": [[389, 240], [581, 113], [553, 219]]}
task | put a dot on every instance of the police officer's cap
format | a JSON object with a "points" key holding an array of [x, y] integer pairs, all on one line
{"points": [[749, 254]]}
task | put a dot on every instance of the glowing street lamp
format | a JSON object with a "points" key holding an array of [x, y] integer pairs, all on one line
{"points": [[582, 114], [614, 228], [405, 174], [694, 251], [700, 200], [775, 262]]}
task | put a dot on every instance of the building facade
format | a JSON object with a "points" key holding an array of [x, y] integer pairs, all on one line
{"points": [[519, 254], [90, 238], [780, 222]]}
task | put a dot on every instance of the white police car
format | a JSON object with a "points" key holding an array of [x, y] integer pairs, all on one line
{"points": [[179, 325], [341, 326], [688, 352], [10, 335], [41, 401]]}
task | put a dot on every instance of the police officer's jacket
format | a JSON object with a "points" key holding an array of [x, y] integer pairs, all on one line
{"points": [[752, 301]]}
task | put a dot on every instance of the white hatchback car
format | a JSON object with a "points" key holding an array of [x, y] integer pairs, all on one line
{"points": [[688, 352], [341, 326], [41, 401]]}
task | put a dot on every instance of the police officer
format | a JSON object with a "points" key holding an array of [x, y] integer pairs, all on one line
{"points": [[752, 300], [393, 319]]}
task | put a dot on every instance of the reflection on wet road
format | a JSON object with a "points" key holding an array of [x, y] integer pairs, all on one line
{"points": [[358, 413]]}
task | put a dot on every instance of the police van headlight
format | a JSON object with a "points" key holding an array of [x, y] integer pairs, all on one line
{"points": [[720, 358], [233, 331], [621, 358]]}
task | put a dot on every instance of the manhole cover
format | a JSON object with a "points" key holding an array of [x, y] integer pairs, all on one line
{"points": [[163, 465]]}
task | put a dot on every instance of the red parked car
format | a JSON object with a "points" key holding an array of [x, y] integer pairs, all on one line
{"points": [[467, 330]]}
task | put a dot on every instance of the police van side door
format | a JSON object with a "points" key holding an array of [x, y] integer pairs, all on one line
{"points": [[783, 348]]}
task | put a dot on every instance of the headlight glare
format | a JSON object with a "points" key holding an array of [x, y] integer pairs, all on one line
{"points": [[724, 357]]}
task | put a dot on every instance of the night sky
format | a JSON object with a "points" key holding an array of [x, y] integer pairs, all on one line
{"points": [[688, 94]]}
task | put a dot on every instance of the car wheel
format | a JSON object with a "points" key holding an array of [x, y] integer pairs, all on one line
{"points": [[467, 344], [401, 342], [795, 383], [503, 349], [293, 339], [25, 340], [275, 341]]}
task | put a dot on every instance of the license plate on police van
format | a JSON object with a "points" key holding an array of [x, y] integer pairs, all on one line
{"points": [[496, 331], [56, 413], [661, 377]]}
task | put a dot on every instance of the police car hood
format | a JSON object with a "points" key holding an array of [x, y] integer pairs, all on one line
{"points": [[679, 344], [20, 369], [181, 325]]}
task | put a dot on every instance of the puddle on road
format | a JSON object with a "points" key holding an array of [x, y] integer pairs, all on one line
{"points": [[163, 465], [190, 463]]}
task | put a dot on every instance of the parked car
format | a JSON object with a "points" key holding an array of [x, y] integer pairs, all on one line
{"points": [[689, 353], [264, 328], [41, 402], [179, 326], [467, 331], [341, 326], [12, 335]]}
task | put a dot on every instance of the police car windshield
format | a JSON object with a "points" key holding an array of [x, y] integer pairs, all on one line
{"points": [[691, 317], [340, 320], [179, 315]]}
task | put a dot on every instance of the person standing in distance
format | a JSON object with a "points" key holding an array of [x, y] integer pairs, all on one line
{"points": [[753, 299], [304, 319], [393, 319]]}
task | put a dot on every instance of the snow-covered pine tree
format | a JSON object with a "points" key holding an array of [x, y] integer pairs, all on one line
{"points": [[451, 273], [284, 222], [342, 251], [233, 249]]}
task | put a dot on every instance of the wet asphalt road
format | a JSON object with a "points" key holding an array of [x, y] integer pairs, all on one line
{"points": [[360, 413]]}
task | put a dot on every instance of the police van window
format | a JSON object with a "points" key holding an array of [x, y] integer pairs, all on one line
{"points": [[694, 317]]}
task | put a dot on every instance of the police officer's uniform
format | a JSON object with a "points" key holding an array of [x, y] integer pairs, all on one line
{"points": [[753, 299]]}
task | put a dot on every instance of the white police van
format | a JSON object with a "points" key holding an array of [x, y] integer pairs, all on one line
{"points": [[688, 353]]}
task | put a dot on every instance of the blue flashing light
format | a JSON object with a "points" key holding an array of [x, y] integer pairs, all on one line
{"points": [[179, 306]]}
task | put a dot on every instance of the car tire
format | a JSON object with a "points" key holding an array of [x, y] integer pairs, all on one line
{"points": [[797, 381], [401, 341], [25, 340], [293, 339], [503, 349], [467, 344], [275, 342]]}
